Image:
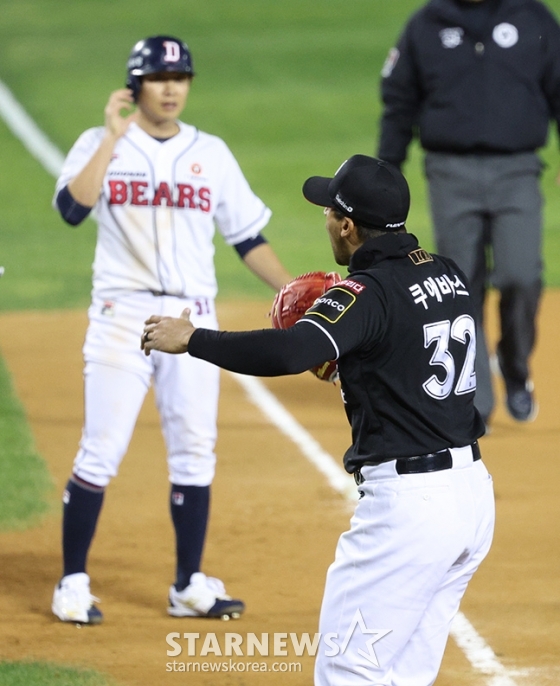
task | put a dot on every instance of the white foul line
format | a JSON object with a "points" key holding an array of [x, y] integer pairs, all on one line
{"points": [[278, 415], [24, 128], [478, 652]]}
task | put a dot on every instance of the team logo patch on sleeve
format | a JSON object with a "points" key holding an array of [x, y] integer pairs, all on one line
{"points": [[333, 304]]}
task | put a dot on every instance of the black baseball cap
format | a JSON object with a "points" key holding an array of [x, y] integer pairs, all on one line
{"points": [[373, 193]]}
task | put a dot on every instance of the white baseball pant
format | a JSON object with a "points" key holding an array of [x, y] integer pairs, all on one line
{"points": [[402, 568], [117, 377]]}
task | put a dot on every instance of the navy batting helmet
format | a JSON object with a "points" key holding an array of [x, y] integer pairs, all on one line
{"points": [[157, 54]]}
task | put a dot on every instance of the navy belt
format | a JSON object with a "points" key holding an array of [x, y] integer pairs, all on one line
{"points": [[421, 464]]}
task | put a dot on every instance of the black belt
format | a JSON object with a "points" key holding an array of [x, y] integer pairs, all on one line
{"points": [[421, 464]]}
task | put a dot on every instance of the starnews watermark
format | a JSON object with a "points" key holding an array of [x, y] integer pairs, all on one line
{"points": [[279, 644], [233, 666]]}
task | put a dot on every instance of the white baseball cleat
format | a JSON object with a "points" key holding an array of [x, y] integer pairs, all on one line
{"points": [[73, 602], [205, 596]]}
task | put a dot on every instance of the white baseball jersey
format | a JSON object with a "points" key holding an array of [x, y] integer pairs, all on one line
{"points": [[159, 207]]}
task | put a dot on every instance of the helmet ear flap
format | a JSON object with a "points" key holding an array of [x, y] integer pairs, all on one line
{"points": [[134, 83]]}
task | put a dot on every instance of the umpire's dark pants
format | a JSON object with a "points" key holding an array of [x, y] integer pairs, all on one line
{"points": [[487, 213]]}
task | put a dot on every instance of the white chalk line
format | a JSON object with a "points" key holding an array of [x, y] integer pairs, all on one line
{"points": [[24, 128], [285, 422], [478, 652]]}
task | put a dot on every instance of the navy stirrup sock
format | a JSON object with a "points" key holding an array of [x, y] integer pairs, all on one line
{"points": [[82, 505], [189, 511]]}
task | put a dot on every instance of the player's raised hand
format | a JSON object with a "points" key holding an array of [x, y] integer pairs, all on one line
{"points": [[85, 187], [120, 111], [168, 334]]}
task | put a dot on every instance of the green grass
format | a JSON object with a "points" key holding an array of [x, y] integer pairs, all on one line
{"points": [[45, 674], [25, 483], [47, 264]]}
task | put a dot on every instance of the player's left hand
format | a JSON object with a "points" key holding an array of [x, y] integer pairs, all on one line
{"points": [[168, 334]]}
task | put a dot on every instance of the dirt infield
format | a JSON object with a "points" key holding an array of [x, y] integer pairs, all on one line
{"points": [[274, 525]]}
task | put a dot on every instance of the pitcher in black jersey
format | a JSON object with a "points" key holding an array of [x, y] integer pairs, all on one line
{"points": [[402, 328]]}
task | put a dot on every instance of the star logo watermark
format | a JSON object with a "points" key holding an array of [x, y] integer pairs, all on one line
{"points": [[377, 635]]}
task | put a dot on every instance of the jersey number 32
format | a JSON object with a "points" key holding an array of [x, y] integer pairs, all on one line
{"points": [[440, 333]]}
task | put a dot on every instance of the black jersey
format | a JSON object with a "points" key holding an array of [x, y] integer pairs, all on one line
{"points": [[404, 331]]}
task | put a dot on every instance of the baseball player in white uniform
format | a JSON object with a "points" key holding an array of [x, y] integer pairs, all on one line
{"points": [[158, 189]]}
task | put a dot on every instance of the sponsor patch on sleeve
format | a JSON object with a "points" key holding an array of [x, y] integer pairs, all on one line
{"points": [[354, 286], [333, 304]]}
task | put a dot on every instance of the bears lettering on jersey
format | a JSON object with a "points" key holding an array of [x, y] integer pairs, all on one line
{"points": [[139, 193]]}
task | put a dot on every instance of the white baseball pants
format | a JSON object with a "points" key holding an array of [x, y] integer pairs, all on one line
{"points": [[117, 377], [400, 572]]}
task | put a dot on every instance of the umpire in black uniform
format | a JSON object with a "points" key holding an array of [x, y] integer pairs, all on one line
{"points": [[402, 329], [479, 81]]}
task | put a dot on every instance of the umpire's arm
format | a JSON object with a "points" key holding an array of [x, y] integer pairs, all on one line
{"points": [[401, 94]]}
